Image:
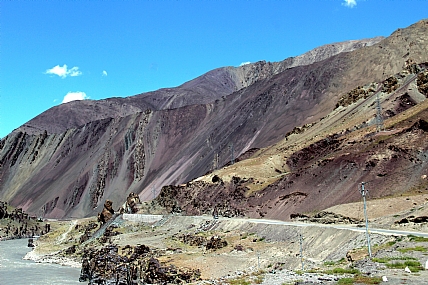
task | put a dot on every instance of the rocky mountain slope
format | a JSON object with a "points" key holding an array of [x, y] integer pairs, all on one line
{"points": [[70, 159]]}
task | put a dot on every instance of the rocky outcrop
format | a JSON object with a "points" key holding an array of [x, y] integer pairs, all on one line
{"points": [[198, 198], [18, 224], [107, 212], [3, 210], [413, 219], [422, 83], [361, 92], [132, 204], [324, 217], [130, 265]]}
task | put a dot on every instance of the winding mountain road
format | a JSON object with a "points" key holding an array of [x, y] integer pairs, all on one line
{"points": [[339, 227]]}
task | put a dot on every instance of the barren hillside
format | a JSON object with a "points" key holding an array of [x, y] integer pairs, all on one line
{"points": [[305, 123]]}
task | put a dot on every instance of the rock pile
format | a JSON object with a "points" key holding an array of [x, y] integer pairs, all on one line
{"points": [[134, 265], [216, 242], [213, 243]]}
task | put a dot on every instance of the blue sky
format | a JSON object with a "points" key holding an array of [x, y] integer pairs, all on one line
{"points": [[51, 51]]}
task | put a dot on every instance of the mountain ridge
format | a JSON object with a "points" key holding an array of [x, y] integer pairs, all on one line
{"points": [[204, 89]]}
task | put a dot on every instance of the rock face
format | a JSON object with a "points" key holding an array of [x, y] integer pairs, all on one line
{"points": [[69, 160], [130, 265]]}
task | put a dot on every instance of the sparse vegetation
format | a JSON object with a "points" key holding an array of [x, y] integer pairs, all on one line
{"points": [[417, 239], [255, 278], [359, 279], [388, 259], [340, 270], [332, 263], [239, 281], [329, 263], [414, 266], [346, 280], [259, 280], [416, 248]]}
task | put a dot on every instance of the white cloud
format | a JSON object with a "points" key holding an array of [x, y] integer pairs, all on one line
{"points": [[350, 3], [73, 96], [63, 71], [244, 63], [74, 71], [104, 73]]}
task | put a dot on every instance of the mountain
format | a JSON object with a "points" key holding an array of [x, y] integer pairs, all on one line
{"points": [[280, 120], [202, 90]]}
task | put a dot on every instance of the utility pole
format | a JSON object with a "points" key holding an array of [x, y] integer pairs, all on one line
{"points": [[363, 193], [301, 251], [379, 119]]}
